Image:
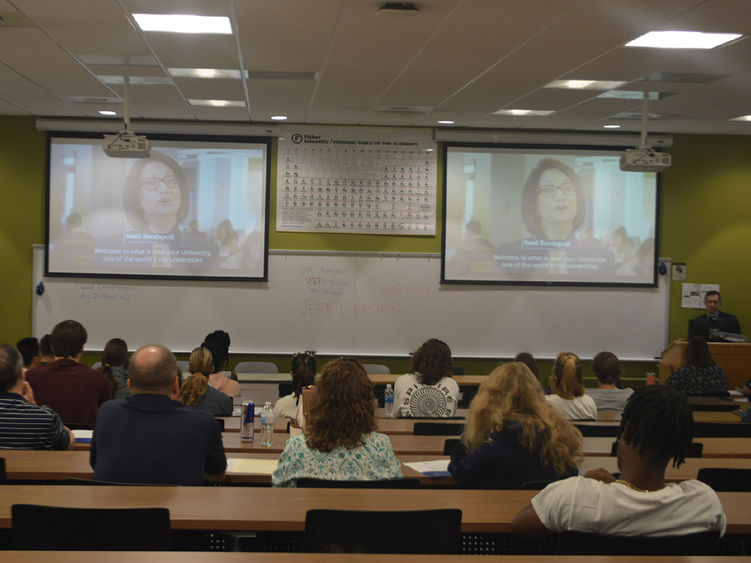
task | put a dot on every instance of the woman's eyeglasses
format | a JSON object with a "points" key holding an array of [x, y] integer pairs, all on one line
{"points": [[151, 184], [550, 190]]}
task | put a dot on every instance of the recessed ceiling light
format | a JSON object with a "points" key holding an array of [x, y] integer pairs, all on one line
{"points": [[524, 112], [218, 103], [107, 112], [741, 118], [445, 122], [207, 73], [585, 84], [134, 80], [279, 117], [183, 23], [611, 126], [630, 95], [682, 40]]}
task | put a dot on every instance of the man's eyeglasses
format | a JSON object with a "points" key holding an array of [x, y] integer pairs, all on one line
{"points": [[549, 190], [151, 184]]}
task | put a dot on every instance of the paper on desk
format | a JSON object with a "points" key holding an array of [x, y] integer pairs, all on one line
{"points": [[245, 465], [433, 468], [83, 435]]}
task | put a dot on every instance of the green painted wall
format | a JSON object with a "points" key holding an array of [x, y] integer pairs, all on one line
{"points": [[705, 222]]}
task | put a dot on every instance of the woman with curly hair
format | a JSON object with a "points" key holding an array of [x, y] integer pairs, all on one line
{"points": [[513, 436], [429, 390], [339, 441], [196, 391], [568, 391]]}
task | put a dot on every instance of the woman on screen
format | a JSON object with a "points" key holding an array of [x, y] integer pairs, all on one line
{"points": [[339, 440], [512, 436], [428, 390], [568, 391]]}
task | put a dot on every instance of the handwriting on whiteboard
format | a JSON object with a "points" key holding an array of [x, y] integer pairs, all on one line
{"points": [[346, 309], [105, 293]]}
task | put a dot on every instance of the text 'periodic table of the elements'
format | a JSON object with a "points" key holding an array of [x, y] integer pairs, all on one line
{"points": [[356, 180]]}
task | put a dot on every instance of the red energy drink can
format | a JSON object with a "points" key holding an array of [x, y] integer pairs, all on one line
{"points": [[248, 421]]}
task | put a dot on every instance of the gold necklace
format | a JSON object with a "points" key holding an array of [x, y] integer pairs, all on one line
{"points": [[635, 488]]}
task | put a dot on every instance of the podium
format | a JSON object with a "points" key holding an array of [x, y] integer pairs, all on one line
{"points": [[734, 358]]}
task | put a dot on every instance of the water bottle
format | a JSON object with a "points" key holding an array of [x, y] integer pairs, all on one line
{"points": [[388, 400], [267, 425]]}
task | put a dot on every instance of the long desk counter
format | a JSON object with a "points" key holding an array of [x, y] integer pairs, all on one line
{"points": [[264, 508]]}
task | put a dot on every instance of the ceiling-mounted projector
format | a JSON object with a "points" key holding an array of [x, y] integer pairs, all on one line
{"points": [[644, 159], [126, 145]]}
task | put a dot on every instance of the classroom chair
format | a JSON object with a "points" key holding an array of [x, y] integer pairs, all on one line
{"points": [[403, 483], [438, 428], [256, 367], [449, 444], [376, 368], [696, 449], [581, 543], [90, 529], [726, 478], [3, 474], [355, 531], [722, 430], [598, 430]]}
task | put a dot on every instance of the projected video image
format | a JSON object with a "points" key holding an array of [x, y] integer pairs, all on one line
{"points": [[193, 208], [543, 216]]}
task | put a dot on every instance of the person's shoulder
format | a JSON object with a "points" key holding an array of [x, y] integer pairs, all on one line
{"points": [[406, 380], [449, 382]]}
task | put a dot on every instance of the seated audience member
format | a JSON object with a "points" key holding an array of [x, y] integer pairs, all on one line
{"points": [[303, 372], [339, 440], [429, 390], [46, 355], [512, 435], [218, 380], [196, 391], [23, 424], [656, 426], [151, 438], [568, 392], [700, 375], [607, 370], [71, 389], [115, 367], [222, 341], [29, 349], [528, 360]]}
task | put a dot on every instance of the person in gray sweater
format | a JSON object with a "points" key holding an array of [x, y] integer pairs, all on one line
{"points": [[608, 396], [197, 392]]}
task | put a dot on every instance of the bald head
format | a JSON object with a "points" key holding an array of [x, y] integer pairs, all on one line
{"points": [[152, 369]]}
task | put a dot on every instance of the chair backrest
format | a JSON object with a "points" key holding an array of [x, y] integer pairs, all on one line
{"points": [[3, 474], [438, 428], [354, 531], [457, 370], [535, 485], [726, 478], [449, 444], [376, 368], [606, 430], [722, 430], [581, 543], [111, 529], [696, 449], [96, 365], [256, 367], [404, 483], [78, 426], [220, 422]]}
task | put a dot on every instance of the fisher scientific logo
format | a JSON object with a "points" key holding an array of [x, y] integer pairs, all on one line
{"points": [[296, 138]]}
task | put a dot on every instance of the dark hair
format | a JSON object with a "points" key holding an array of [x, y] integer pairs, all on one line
{"points": [[131, 193], [45, 347], [156, 375], [529, 197], [341, 410], [219, 343], [11, 365], [712, 292], [528, 360], [218, 358], [567, 376], [432, 361], [115, 354], [607, 368], [29, 348], [698, 352], [658, 420], [67, 339], [303, 370]]}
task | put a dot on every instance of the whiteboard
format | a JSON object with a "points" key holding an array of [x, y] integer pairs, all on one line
{"points": [[363, 304]]}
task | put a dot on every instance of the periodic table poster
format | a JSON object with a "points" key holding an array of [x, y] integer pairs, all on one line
{"points": [[356, 180]]}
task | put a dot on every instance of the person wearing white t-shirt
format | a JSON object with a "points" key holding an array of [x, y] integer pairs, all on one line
{"points": [[655, 427], [303, 372], [568, 391]]}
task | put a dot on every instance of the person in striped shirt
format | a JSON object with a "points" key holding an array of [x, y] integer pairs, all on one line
{"points": [[23, 424]]}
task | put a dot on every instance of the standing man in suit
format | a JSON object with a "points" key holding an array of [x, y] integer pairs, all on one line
{"points": [[714, 319]]}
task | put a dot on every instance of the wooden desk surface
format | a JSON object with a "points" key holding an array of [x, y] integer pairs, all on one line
{"points": [[265, 508]]}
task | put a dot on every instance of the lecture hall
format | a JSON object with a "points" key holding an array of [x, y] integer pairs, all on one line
{"points": [[361, 212]]}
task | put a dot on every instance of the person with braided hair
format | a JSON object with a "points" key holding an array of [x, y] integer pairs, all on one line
{"points": [[568, 391], [303, 372], [196, 391], [657, 425]]}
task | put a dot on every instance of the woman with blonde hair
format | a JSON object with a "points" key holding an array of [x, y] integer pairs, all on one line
{"points": [[568, 391], [513, 436], [339, 441], [196, 391]]}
